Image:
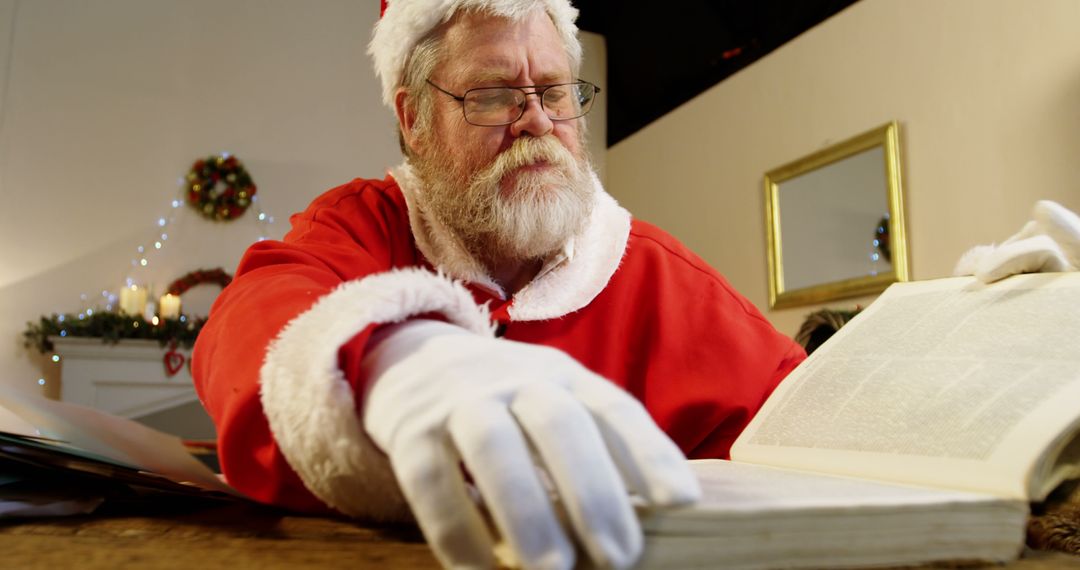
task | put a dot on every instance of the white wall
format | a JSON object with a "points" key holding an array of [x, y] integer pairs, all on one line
{"points": [[987, 93], [104, 105]]}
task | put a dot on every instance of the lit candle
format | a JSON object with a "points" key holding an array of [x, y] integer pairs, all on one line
{"points": [[169, 307], [133, 300]]}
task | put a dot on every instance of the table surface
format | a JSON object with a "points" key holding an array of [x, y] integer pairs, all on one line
{"points": [[238, 535], [231, 536]]}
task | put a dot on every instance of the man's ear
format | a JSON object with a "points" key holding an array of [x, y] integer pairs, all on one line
{"points": [[406, 116]]}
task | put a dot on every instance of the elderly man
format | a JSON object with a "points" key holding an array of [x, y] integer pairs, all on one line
{"points": [[483, 340]]}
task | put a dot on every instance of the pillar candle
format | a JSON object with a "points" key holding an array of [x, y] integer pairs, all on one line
{"points": [[132, 300], [169, 307]]}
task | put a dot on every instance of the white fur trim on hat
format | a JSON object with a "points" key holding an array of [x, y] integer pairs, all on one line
{"points": [[309, 404], [406, 22]]}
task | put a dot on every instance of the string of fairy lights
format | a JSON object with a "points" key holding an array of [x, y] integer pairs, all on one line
{"points": [[147, 253]]}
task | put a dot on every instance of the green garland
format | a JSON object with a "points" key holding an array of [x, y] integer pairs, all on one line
{"points": [[111, 327]]}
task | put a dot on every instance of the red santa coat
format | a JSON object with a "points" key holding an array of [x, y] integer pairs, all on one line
{"points": [[277, 365]]}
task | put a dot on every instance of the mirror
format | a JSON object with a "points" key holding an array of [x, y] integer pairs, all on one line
{"points": [[834, 222]]}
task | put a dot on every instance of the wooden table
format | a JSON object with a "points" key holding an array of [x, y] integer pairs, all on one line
{"points": [[237, 536], [232, 537]]}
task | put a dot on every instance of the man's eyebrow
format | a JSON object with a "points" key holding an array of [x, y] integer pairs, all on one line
{"points": [[486, 76], [490, 77], [553, 78]]}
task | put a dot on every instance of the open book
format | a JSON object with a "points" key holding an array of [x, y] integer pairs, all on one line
{"points": [[920, 432], [58, 458]]}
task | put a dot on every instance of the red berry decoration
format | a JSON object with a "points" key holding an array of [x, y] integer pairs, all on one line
{"points": [[215, 276]]}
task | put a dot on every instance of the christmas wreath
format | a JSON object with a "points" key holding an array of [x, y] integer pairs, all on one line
{"points": [[215, 276], [219, 187], [822, 324]]}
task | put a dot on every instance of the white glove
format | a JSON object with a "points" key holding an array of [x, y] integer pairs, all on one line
{"points": [[440, 395], [1049, 242]]}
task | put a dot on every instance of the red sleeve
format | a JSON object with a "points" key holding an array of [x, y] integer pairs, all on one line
{"points": [[351, 232], [715, 357], [673, 332]]}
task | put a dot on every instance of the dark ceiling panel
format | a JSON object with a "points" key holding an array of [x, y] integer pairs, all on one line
{"points": [[661, 57]]}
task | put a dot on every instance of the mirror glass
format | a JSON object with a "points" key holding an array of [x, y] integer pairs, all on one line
{"points": [[834, 222]]}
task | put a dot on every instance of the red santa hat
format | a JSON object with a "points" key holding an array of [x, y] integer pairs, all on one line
{"points": [[405, 22]]}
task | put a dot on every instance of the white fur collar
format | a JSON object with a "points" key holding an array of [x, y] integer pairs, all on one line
{"points": [[565, 288]]}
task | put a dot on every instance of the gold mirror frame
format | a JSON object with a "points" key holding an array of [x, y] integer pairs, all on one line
{"points": [[886, 137]]}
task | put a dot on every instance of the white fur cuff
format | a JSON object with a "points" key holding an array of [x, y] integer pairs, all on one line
{"points": [[968, 263], [309, 404]]}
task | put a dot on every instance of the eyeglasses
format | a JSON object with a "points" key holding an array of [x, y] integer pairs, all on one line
{"points": [[498, 106]]}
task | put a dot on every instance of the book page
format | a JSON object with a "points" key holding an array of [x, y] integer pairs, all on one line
{"points": [[948, 382], [10, 422], [754, 516], [89, 432], [732, 487]]}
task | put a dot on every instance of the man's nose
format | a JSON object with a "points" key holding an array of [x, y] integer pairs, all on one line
{"points": [[534, 121]]}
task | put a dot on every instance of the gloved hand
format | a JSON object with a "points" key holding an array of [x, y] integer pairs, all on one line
{"points": [[440, 396], [1049, 242]]}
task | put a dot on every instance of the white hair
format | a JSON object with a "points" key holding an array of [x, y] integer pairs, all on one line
{"points": [[406, 22]]}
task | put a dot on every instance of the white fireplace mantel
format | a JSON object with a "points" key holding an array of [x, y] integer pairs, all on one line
{"points": [[126, 379]]}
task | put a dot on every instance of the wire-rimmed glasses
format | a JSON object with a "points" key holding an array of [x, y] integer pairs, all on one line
{"points": [[498, 106]]}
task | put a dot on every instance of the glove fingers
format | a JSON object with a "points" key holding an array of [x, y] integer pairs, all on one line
{"points": [[1061, 224], [497, 455], [1039, 253], [651, 464], [573, 451], [1030, 229], [427, 471]]}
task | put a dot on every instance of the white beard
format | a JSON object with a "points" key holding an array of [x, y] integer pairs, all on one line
{"points": [[501, 214]]}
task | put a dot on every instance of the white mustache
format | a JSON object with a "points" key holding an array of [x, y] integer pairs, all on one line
{"points": [[526, 151]]}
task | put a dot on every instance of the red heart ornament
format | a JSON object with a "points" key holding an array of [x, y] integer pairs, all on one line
{"points": [[174, 361]]}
